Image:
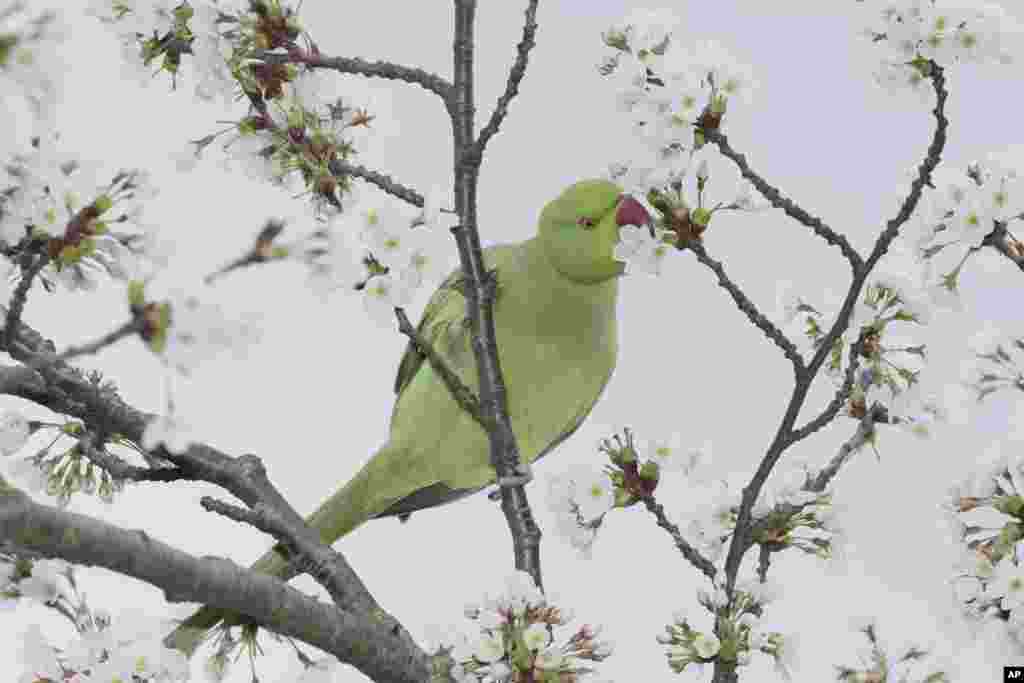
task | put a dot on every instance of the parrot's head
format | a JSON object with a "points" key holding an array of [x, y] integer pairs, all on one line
{"points": [[579, 229]]}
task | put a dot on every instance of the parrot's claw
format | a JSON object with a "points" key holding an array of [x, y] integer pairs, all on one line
{"points": [[523, 475]]}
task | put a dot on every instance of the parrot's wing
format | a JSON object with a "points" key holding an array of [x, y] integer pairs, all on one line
{"points": [[444, 323], [426, 497], [444, 326], [440, 494], [577, 419]]}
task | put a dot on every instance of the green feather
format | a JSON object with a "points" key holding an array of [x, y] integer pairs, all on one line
{"points": [[555, 321]]}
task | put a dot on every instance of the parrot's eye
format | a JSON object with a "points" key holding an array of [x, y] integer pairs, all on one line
{"points": [[585, 222]]}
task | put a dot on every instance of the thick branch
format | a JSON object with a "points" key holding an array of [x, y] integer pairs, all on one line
{"points": [[65, 390], [480, 290], [356, 638], [306, 552]]}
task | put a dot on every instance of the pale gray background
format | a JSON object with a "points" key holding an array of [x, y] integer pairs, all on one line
{"points": [[313, 399]]}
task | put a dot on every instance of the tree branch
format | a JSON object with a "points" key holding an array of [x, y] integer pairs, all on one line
{"points": [[310, 555], [515, 75], [689, 552], [865, 430], [354, 65], [340, 167], [838, 399], [774, 196], [480, 291], [122, 470], [1000, 240], [741, 540], [462, 394], [747, 307], [127, 329], [64, 390], [20, 295], [369, 644]]}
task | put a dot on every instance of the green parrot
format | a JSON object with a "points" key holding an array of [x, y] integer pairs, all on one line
{"points": [[554, 315]]}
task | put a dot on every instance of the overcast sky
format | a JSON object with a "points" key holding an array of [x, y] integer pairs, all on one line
{"points": [[314, 397]]}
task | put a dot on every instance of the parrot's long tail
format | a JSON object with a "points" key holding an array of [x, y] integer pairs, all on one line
{"points": [[343, 512]]}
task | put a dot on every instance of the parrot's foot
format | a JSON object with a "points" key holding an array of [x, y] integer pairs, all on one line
{"points": [[523, 475]]}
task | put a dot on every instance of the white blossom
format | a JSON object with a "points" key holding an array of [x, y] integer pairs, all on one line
{"points": [[382, 294], [1007, 583], [594, 494], [490, 647], [706, 645], [48, 581], [14, 432], [639, 250]]}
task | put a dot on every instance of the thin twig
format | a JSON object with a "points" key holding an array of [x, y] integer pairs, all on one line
{"points": [[774, 196], [865, 430], [127, 329], [998, 240], [514, 77], [838, 399], [340, 167], [785, 436], [19, 298], [748, 308], [122, 470], [689, 552], [354, 65], [462, 394]]}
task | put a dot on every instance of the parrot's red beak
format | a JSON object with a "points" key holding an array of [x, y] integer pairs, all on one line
{"points": [[631, 212]]}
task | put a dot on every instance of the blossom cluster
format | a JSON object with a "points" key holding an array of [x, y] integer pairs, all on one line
{"points": [[963, 210], [987, 512], [56, 206], [27, 56], [582, 496], [670, 93], [289, 138], [912, 34], [128, 648], [738, 634], [891, 365], [998, 362], [890, 664], [516, 641], [788, 513], [63, 473]]}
